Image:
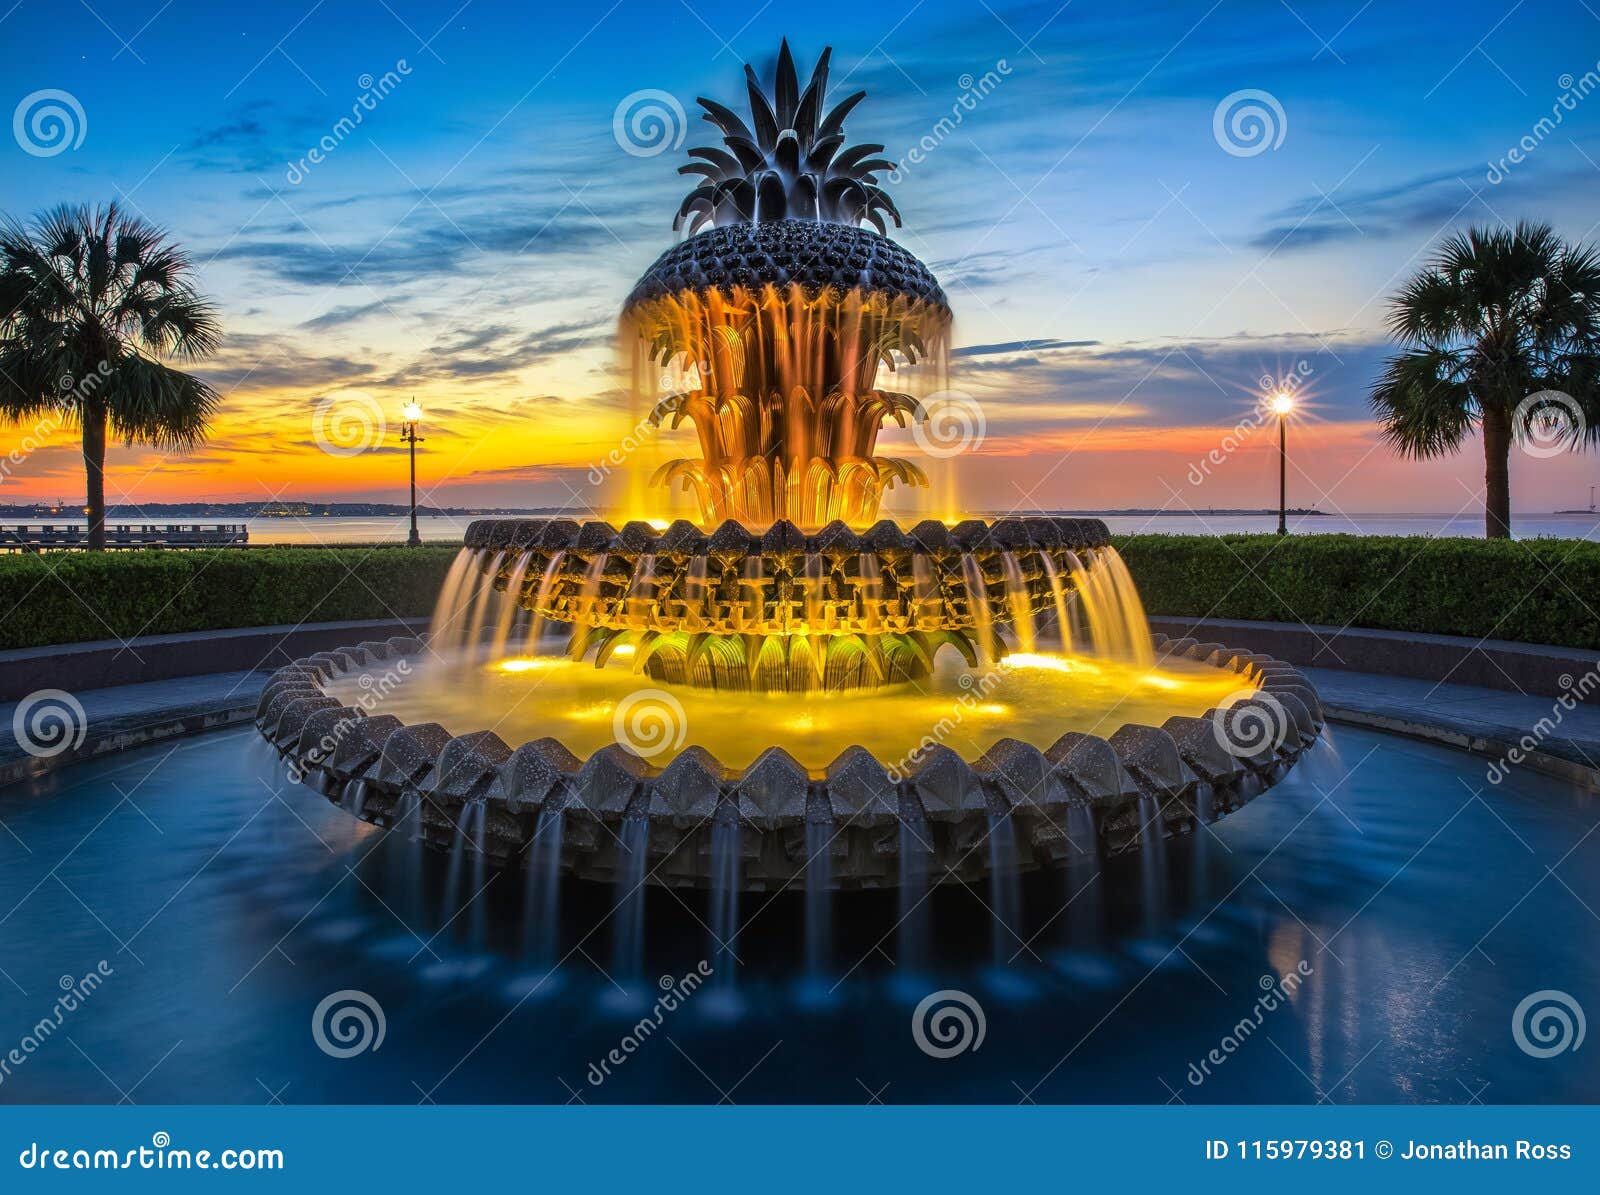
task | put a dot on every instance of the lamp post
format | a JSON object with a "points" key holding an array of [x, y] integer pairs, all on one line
{"points": [[1282, 404], [408, 435]]}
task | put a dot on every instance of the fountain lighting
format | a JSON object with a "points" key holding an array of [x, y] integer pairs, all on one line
{"points": [[791, 668]]}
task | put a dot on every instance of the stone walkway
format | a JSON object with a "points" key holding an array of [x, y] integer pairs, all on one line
{"points": [[115, 719], [1487, 721]]}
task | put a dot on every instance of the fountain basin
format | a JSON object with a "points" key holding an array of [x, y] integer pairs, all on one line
{"points": [[1140, 783]]}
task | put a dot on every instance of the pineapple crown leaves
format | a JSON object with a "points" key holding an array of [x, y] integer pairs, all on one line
{"points": [[791, 165]]}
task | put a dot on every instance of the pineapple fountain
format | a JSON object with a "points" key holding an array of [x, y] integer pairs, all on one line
{"points": [[791, 690]]}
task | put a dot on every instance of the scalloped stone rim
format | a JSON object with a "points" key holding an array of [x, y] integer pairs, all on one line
{"points": [[683, 539], [1142, 780]]}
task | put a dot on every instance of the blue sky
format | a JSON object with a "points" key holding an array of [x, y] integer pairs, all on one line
{"points": [[1121, 281]]}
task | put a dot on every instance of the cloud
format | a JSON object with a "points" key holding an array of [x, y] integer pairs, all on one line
{"points": [[249, 362], [337, 316], [1430, 203], [1018, 346], [1051, 384]]}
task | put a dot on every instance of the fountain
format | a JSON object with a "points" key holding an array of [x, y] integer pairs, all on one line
{"points": [[791, 691]]}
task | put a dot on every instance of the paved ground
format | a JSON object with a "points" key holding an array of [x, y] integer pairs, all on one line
{"points": [[116, 718], [1488, 721]]}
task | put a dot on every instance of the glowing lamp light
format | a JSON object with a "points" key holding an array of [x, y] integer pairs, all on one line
{"points": [[1282, 403]]}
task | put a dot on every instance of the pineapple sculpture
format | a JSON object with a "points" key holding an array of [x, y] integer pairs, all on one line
{"points": [[781, 309]]}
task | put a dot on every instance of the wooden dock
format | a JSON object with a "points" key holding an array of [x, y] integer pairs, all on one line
{"points": [[56, 536]]}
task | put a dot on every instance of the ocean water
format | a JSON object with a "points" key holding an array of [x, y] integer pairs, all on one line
{"points": [[449, 530]]}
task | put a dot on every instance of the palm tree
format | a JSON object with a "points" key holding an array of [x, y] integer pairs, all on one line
{"points": [[91, 303], [1496, 317]]}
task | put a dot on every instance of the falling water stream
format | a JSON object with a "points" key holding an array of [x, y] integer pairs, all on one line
{"points": [[628, 944], [819, 896]]}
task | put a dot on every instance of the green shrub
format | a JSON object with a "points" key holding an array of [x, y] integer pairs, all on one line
{"points": [[72, 597], [1530, 591]]}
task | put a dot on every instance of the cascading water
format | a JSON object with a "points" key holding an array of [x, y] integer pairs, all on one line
{"points": [[978, 603], [1083, 878], [1005, 887], [541, 914], [463, 577], [1020, 602], [911, 926], [628, 946], [819, 897], [1058, 595], [509, 606], [1152, 864], [724, 899]]}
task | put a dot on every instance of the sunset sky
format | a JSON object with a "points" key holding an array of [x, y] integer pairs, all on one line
{"points": [[1122, 283]]}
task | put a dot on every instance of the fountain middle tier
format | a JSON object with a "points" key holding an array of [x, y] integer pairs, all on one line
{"points": [[784, 611]]}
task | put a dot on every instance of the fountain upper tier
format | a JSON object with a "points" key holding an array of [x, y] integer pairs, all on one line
{"points": [[783, 610], [783, 581]]}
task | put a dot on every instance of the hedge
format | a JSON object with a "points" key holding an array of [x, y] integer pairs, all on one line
{"points": [[72, 597], [1533, 591], [1530, 591]]}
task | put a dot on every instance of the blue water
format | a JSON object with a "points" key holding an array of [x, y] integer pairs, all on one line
{"points": [[227, 904]]}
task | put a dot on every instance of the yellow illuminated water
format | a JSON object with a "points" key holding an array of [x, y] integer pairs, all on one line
{"points": [[1035, 697]]}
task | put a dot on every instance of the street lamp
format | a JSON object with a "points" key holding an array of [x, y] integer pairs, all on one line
{"points": [[1282, 404], [408, 435]]}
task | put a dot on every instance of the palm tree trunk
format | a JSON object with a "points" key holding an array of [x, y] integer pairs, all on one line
{"points": [[94, 467], [1496, 473]]}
